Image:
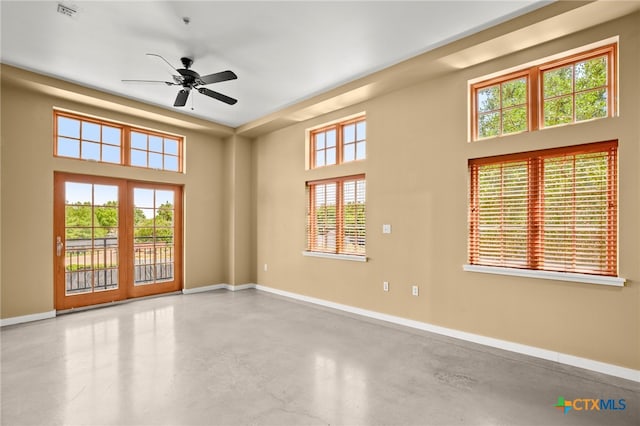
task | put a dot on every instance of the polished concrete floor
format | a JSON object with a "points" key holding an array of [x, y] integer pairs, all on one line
{"points": [[248, 357]]}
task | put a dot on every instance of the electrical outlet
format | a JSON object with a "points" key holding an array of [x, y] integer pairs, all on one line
{"points": [[414, 290], [385, 285]]}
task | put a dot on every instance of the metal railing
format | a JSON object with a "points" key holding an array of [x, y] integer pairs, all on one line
{"points": [[93, 265]]}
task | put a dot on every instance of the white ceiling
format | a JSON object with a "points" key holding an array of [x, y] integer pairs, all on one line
{"points": [[282, 52]]}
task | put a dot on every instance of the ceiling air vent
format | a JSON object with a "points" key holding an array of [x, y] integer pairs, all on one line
{"points": [[66, 10]]}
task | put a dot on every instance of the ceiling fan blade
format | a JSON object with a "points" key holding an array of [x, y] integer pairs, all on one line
{"points": [[217, 77], [165, 61], [181, 99], [215, 95], [168, 83]]}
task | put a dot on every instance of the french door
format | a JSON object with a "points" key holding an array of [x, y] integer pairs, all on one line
{"points": [[115, 239]]}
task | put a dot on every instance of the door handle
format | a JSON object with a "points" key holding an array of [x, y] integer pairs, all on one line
{"points": [[59, 246]]}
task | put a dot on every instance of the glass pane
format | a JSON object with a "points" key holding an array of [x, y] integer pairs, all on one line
{"points": [[558, 111], [488, 99], [143, 197], [349, 133], [143, 235], [514, 120], [90, 131], [331, 156], [331, 138], [140, 217], [361, 150], [164, 271], [164, 234], [90, 151], [164, 197], [68, 127], [138, 158], [105, 195], [319, 158], [514, 92], [349, 152], [558, 82], [107, 219], [78, 192], [105, 279], [591, 74], [171, 146], [77, 233], [77, 281], [171, 163], [111, 135], [111, 154], [155, 143], [591, 104], [164, 217], [69, 147], [319, 141], [155, 160], [145, 218], [488, 125], [138, 140], [361, 130]]}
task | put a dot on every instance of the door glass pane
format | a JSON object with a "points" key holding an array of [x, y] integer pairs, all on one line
{"points": [[153, 236], [91, 238]]}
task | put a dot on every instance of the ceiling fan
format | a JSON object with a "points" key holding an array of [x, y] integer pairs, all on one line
{"points": [[189, 80]]}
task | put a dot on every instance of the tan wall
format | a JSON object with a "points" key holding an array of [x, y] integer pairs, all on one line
{"points": [[27, 196], [416, 174]]}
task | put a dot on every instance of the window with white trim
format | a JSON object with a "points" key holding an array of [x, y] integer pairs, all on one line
{"points": [[552, 210]]}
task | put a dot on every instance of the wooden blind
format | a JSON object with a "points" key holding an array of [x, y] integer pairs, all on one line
{"points": [[337, 215], [550, 210]]}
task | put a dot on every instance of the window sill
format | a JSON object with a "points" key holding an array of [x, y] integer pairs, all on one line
{"points": [[548, 275], [350, 257]]}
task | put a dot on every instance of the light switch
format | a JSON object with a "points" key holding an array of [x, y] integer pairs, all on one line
{"points": [[386, 228]]}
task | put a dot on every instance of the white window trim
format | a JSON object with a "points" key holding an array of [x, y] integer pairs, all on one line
{"points": [[548, 275], [351, 257]]}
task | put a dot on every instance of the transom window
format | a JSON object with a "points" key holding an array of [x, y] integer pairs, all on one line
{"points": [[337, 216], [92, 139], [88, 139], [502, 107], [569, 90], [553, 210], [339, 143], [155, 151]]}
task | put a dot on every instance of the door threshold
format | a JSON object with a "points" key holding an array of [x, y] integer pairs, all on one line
{"points": [[114, 303]]}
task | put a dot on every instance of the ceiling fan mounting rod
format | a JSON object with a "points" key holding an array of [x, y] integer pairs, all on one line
{"points": [[186, 62]]}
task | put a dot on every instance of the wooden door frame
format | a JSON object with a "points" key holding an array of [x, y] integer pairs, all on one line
{"points": [[126, 289], [176, 284]]}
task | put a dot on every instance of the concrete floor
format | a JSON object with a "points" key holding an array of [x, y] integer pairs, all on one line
{"points": [[254, 358]]}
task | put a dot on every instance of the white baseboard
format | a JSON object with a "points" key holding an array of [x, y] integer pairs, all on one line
{"points": [[205, 288], [229, 287], [587, 364], [27, 318]]}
